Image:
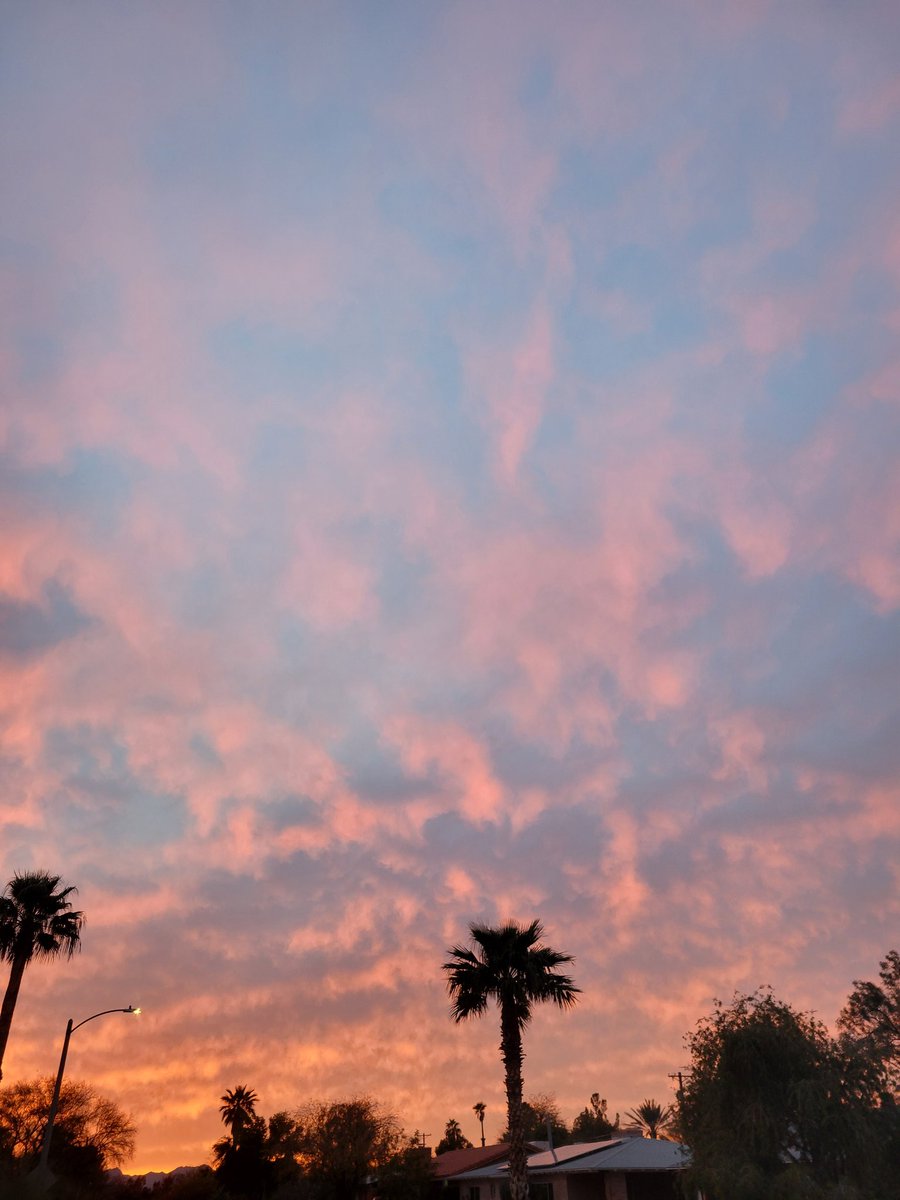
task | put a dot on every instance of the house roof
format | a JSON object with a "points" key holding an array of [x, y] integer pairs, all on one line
{"points": [[452, 1162], [635, 1154], [550, 1158], [617, 1154]]}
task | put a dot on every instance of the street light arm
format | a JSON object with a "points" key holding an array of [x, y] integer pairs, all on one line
{"points": [[129, 1009]]}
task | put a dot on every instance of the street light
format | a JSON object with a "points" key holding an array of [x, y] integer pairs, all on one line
{"points": [[54, 1103]]}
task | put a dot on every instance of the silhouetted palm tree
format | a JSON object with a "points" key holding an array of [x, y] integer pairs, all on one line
{"points": [[238, 1110], [479, 1110], [652, 1117], [511, 966], [453, 1139], [36, 921]]}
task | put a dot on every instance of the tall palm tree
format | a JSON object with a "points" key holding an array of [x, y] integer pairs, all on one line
{"points": [[508, 964], [36, 921], [479, 1111], [238, 1110], [652, 1117]]}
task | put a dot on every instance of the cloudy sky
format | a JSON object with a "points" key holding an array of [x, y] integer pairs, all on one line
{"points": [[448, 466]]}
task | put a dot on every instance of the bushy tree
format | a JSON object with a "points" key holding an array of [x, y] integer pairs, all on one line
{"points": [[537, 1111], [406, 1175], [593, 1124], [870, 1022], [343, 1142], [773, 1107], [453, 1139], [90, 1134]]}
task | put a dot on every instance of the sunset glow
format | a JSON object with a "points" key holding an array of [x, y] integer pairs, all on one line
{"points": [[449, 472]]}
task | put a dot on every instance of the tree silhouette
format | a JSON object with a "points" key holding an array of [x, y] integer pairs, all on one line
{"points": [[36, 921], [870, 1021], [593, 1124], [509, 964], [453, 1139], [479, 1110], [238, 1110], [653, 1117], [539, 1112]]}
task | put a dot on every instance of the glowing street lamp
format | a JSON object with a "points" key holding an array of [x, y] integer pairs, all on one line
{"points": [[54, 1103]]}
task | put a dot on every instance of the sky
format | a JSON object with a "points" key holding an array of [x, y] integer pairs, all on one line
{"points": [[449, 473]]}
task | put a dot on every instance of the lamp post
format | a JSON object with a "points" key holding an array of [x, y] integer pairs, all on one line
{"points": [[54, 1103]]}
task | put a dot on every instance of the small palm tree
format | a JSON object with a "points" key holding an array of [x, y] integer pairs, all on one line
{"points": [[238, 1110], [479, 1111], [652, 1117], [510, 965], [453, 1139], [36, 921]]}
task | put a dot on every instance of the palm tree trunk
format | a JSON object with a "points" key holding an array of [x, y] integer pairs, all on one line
{"points": [[511, 1050], [16, 971]]}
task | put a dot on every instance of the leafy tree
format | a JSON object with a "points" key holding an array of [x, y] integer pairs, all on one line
{"points": [[344, 1142], [537, 1111], [870, 1021], [284, 1143], [772, 1107], [593, 1124], [479, 1110], [453, 1139], [36, 921], [653, 1117], [509, 964], [406, 1174], [90, 1135]]}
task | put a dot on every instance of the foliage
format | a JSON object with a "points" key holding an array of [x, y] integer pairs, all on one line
{"points": [[83, 1117], [453, 1139], [536, 1112], [870, 1022], [343, 1142], [259, 1157], [593, 1124], [773, 1107], [90, 1132], [654, 1118], [511, 965], [406, 1175], [36, 921]]}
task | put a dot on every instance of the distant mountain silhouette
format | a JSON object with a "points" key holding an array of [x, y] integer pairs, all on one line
{"points": [[153, 1177]]}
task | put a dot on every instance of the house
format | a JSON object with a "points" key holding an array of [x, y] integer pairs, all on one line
{"points": [[623, 1168], [448, 1167]]}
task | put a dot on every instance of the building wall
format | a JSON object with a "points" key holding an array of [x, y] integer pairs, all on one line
{"points": [[616, 1187], [584, 1187]]}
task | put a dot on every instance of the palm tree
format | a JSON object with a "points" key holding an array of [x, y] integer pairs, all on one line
{"points": [[652, 1117], [453, 1139], [36, 921], [479, 1110], [508, 964], [238, 1110]]}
